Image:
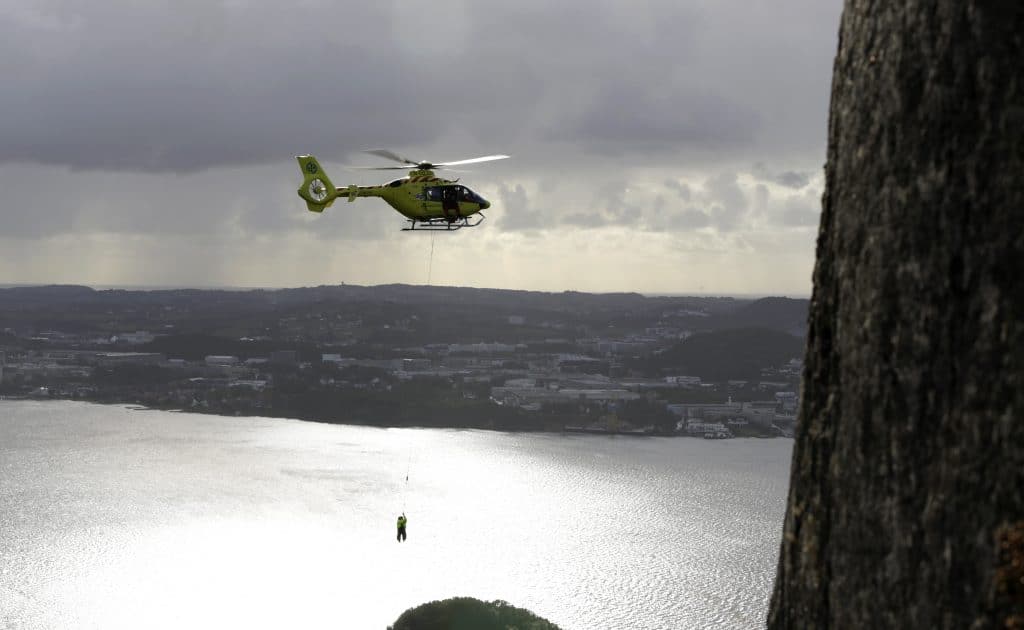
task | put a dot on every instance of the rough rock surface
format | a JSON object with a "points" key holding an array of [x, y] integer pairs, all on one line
{"points": [[907, 489]]}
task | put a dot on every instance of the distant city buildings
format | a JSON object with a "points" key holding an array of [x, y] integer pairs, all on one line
{"points": [[585, 368]]}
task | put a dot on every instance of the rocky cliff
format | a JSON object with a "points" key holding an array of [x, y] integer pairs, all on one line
{"points": [[907, 490]]}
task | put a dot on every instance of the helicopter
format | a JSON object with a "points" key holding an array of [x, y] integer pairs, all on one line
{"points": [[425, 200]]}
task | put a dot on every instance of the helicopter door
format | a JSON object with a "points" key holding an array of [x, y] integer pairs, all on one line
{"points": [[450, 202]]}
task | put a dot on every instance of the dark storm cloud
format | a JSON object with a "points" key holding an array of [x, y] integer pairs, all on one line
{"points": [[40, 201], [185, 86], [632, 118], [154, 87]]}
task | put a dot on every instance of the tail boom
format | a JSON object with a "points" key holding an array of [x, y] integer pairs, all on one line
{"points": [[317, 190]]}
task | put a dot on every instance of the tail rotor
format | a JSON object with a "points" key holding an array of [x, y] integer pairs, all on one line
{"points": [[316, 190]]}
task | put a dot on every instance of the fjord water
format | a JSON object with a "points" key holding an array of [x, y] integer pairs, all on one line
{"points": [[118, 518]]}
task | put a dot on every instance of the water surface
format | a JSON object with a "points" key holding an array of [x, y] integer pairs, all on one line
{"points": [[118, 518]]}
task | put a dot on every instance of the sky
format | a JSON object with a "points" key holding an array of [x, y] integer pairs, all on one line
{"points": [[659, 147]]}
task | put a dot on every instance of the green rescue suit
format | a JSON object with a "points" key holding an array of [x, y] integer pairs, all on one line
{"points": [[401, 527]]}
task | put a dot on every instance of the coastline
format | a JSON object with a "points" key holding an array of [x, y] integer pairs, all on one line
{"points": [[553, 427]]}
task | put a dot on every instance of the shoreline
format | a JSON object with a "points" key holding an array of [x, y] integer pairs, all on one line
{"points": [[566, 430]]}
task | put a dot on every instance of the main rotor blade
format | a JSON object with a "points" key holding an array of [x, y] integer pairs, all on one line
{"points": [[383, 168], [391, 155], [486, 158]]}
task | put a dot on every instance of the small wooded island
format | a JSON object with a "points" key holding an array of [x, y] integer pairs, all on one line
{"points": [[467, 613]]}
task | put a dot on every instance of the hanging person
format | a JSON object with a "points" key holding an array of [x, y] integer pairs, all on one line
{"points": [[401, 527]]}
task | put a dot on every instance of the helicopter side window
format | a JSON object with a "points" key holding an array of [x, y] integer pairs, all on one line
{"points": [[446, 193]]}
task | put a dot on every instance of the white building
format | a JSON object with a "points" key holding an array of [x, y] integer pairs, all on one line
{"points": [[481, 348], [525, 397], [683, 381], [521, 382], [136, 338], [704, 428], [221, 360], [598, 395]]}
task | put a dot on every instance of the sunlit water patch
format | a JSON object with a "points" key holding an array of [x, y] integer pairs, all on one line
{"points": [[115, 518]]}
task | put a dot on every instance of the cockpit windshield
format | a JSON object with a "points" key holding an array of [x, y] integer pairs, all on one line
{"points": [[469, 195], [452, 193]]}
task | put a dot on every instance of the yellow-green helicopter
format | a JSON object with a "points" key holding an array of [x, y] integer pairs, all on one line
{"points": [[427, 201]]}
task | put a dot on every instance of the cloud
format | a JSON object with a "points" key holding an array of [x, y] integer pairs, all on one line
{"points": [[187, 86], [517, 213], [728, 201], [801, 211], [792, 179], [788, 179], [167, 130], [586, 220], [41, 201], [669, 216], [680, 188], [761, 199], [787, 210], [633, 118], [682, 220], [162, 87]]}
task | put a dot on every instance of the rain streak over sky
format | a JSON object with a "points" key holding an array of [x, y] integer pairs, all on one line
{"points": [[660, 147]]}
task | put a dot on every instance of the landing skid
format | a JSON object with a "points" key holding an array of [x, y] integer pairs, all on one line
{"points": [[441, 224]]}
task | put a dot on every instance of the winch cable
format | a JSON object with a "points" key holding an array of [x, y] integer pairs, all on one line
{"points": [[430, 266], [405, 488]]}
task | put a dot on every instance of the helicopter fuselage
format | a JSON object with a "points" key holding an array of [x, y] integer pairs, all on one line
{"points": [[422, 196]]}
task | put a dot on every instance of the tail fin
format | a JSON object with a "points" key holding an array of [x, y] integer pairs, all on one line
{"points": [[316, 190]]}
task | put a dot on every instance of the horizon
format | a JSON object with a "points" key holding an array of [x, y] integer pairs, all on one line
{"points": [[103, 287]]}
